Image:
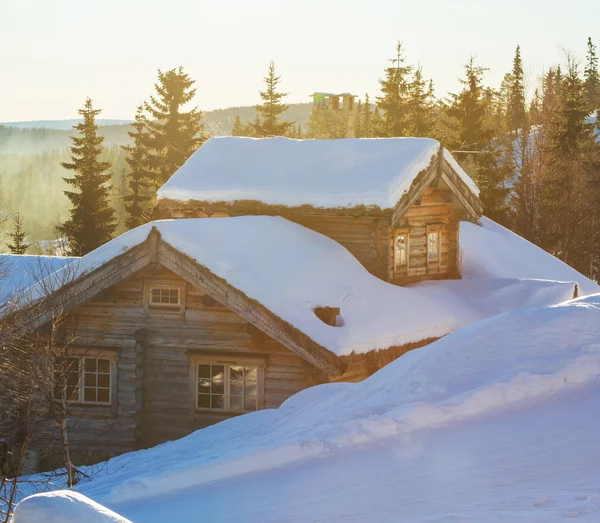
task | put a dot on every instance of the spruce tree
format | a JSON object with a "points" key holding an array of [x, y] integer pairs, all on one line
{"points": [[238, 127], [357, 130], [18, 236], [516, 115], [567, 197], [272, 108], [592, 79], [173, 133], [394, 99], [138, 203], [421, 102], [471, 110], [366, 117], [92, 221]]}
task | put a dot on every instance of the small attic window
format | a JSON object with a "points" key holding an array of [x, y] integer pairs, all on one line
{"points": [[328, 315], [165, 296]]}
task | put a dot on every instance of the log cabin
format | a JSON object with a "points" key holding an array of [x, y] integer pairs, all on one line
{"points": [[180, 324], [394, 203]]}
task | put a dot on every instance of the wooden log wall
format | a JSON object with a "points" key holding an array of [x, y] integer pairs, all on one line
{"points": [[366, 237], [362, 230], [438, 211], [154, 396]]}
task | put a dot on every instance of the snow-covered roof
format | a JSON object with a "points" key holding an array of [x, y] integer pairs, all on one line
{"points": [[290, 270], [20, 271], [321, 173]]}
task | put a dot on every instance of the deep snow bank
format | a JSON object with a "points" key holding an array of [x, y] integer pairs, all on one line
{"points": [[492, 251], [512, 358], [63, 506]]}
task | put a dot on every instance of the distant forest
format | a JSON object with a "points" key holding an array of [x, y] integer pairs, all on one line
{"points": [[532, 151], [31, 175]]}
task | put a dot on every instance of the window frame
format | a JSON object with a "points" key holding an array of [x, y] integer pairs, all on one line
{"points": [[398, 269], [227, 363], [81, 372], [169, 288], [430, 229], [171, 283]]}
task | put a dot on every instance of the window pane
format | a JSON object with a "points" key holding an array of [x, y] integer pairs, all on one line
{"points": [[103, 395], [89, 394], [90, 380], [72, 378], [218, 372], [91, 364], [204, 386], [203, 401], [217, 402], [104, 380], [236, 403], [250, 373], [250, 403], [400, 251], [218, 387], [236, 388], [204, 371], [236, 372], [250, 389], [432, 246], [104, 366]]}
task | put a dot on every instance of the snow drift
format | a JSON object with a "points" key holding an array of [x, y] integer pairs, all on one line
{"points": [[63, 507], [517, 358], [492, 251]]}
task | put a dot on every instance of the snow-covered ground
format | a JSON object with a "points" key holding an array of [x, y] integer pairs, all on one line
{"points": [[496, 422]]}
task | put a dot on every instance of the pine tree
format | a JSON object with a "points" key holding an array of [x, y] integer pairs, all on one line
{"points": [[18, 236], [138, 203], [238, 127], [421, 102], [566, 199], [471, 109], [366, 118], [357, 121], [394, 100], [173, 134], [92, 220], [270, 111], [516, 115], [592, 79], [518, 152]]}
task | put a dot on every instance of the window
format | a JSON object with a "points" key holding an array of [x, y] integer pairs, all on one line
{"points": [[433, 246], [400, 250], [84, 380], [164, 296], [225, 386]]}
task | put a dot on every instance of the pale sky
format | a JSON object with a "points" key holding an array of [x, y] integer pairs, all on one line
{"points": [[55, 53]]}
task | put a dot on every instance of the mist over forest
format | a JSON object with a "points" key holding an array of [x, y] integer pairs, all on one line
{"points": [[31, 175]]}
